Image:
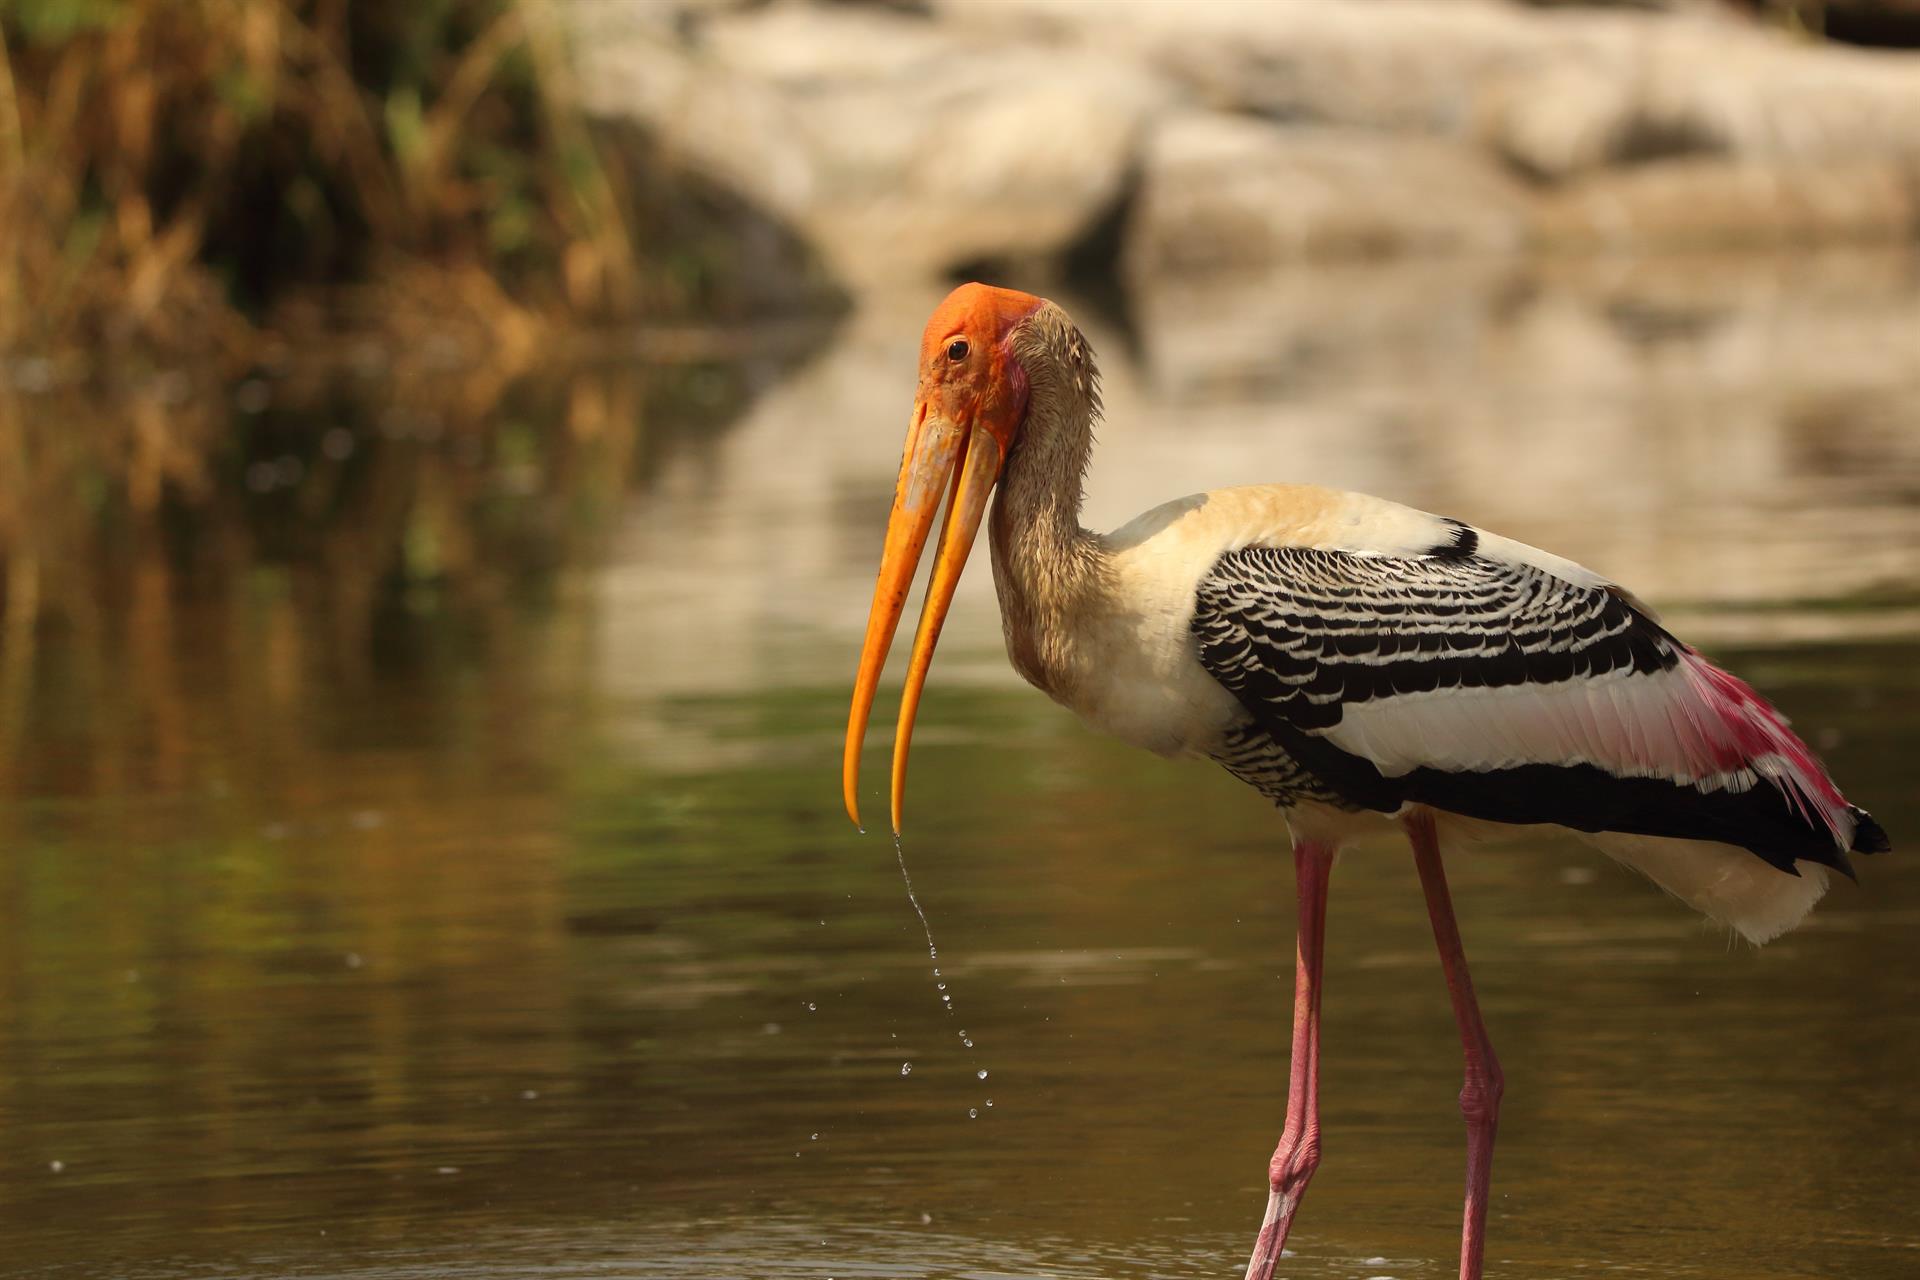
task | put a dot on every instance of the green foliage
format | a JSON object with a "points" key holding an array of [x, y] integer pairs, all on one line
{"points": [[51, 21]]}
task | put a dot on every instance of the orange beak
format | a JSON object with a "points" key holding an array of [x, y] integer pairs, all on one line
{"points": [[942, 456]]}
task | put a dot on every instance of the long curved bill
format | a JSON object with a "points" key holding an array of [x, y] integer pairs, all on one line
{"points": [[941, 456]]}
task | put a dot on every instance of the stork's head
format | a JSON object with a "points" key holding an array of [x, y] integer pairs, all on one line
{"points": [[971, 405]]}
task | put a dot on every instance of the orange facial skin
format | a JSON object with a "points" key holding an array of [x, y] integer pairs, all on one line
{"points": [[987, 387], [971, 402]]}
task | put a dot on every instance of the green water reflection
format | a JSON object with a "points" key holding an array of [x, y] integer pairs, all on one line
{"points": [[501, 998], [432, 864]]}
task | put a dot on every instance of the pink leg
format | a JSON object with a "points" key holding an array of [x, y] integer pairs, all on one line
{"points": [[1298, 1154], [1480, 1095]]}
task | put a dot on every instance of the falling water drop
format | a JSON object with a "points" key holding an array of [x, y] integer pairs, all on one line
{"points": [[989, 1101], [933, 952], [973, 1113]]}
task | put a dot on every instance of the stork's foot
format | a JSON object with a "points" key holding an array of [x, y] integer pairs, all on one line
{"points": [[1287, 1177]]}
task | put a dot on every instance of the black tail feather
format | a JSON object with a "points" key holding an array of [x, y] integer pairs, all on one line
{"points": [[1868, 835]]}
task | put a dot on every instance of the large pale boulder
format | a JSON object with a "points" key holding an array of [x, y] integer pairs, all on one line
{"points": [[1220, 192], [911, 141], [1618, 91], [1399, 65], [1555, 92], [896, 146]]}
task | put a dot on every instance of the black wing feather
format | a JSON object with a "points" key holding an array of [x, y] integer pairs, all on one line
{"points": [[1300, 634], [1307, 631]]}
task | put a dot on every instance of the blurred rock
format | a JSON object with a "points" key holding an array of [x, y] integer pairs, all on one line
{"points": [[1221, 191], [1554, 90], [1618, 90], [911, 141], [1400, 65], [897, 146], [1713, 202]]}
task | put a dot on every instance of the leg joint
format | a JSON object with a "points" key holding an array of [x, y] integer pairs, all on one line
{"points": [[1293, 1163], [1480, 1097]]}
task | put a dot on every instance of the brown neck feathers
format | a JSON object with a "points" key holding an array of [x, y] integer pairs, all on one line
{"points": [[1047, 569]]}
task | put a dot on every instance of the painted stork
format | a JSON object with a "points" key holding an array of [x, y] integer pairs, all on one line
{"points": [[1356, 661]]}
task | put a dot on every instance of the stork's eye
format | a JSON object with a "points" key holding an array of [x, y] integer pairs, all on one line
{"points": [[957, 350]]}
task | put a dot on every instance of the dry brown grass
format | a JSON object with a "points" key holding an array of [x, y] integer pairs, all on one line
{"points": [[173, 170]]}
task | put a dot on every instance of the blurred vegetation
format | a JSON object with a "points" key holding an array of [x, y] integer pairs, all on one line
{"points": [[177, 174], [344, 519], [273, 277]]}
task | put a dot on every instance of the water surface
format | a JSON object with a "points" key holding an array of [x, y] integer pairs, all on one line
{"points": [[423, 857]]}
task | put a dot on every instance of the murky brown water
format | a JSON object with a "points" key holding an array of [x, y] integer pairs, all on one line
{"points": [[423, 856]]}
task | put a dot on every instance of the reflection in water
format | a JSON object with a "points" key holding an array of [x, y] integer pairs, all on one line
{"points": [[423, 854], [1713, 430]]}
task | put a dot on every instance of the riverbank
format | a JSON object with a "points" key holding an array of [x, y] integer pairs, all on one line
{"points": [[489, 182]]}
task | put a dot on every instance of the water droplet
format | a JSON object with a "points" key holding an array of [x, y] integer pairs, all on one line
{"points": [[811, 1006], [57, 1166], [939, 986], [967, 1043], [946, 999], [906, 1068], [989, 1101], [814, 1138], [528, 1095], [973, 1113], [933, 952], [936, 971], [981, 1073]]}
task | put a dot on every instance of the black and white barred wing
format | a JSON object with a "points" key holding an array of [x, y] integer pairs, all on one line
{"points": [[1503, 690]]}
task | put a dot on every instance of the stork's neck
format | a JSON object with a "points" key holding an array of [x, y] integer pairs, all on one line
{"points": [[1048, 570]]}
